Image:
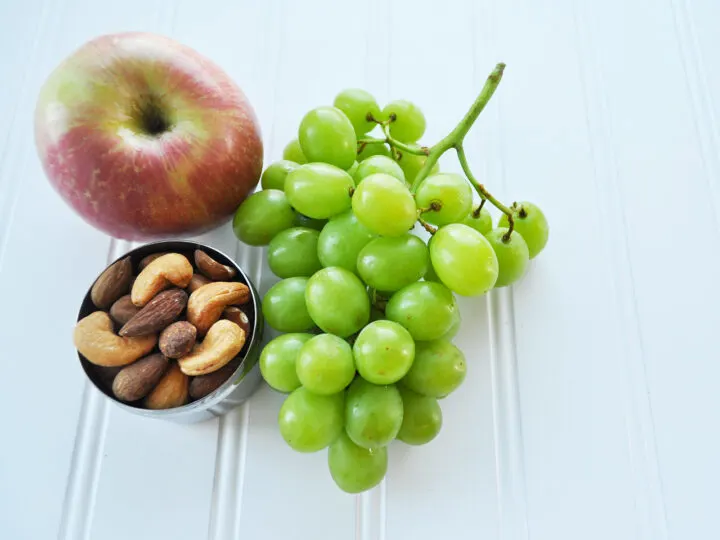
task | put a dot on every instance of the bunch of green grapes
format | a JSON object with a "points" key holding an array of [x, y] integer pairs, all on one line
{"points": [[367, 307]]}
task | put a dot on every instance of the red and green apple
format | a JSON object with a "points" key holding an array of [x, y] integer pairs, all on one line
{"points": [[145, 138]]}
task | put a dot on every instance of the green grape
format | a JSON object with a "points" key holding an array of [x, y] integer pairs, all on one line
{"points": [[326, 135], [388, 264], [373, 150], [309, 422], [274, 176], [373, 414], [293, 152], [354, 468], [319, 190], [409, 124], [482, 223], [454, 327], [284, 306], [341, 240], [337, 301], [532, 224], [384, 352], [353, 169], [451, 191], [293, 252], [439, 368], [356, 104], [325, 364], [513, 256], [426, 309], [311, 223], [463, 259], [422, 418], [378, 164], [277, 361], [261, 216], [411, 165], [431, 275], [384, 205]]}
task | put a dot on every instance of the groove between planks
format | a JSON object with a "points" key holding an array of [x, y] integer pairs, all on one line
{"points": [[231, 456], [650, 512], [507, 421], [701, 99], [370, 513], [510, 471], [81, 490]]}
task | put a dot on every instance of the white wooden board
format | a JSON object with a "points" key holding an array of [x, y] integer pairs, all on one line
{"points": [[590, 408]]}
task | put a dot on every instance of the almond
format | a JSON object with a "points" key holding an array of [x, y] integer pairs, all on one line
{"points": [[112, 283], [238, 316], [123, 310], [171, 391], [211, 268], [206, 384], [136, 380], [163, 309], [178, 339], [197, 281]]}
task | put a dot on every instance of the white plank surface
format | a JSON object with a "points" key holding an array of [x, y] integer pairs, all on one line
{"points": [[590, 408]]}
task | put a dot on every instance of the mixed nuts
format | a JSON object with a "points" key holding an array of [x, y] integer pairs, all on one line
{"points": [[170, 334]]}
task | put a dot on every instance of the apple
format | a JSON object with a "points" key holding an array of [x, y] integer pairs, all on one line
{"points": [[146, 138]]}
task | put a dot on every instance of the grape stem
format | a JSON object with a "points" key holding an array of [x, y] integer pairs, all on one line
{"points": [[429, 228], [377, 301], [455, 139], [415, 149], [484, 193], [370, 140], [435, 206], [408, 148]]}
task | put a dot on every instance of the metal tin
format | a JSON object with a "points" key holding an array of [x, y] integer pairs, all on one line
{"points": [[238, 388]]}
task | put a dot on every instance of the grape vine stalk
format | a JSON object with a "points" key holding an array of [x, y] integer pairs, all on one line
{"points": [[453, 140]]}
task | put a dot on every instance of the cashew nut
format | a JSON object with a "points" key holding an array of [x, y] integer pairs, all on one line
{"points": [[163, 272], [223, 342], [95, 340], [206, 304], [147, 259], [171, 391]]}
